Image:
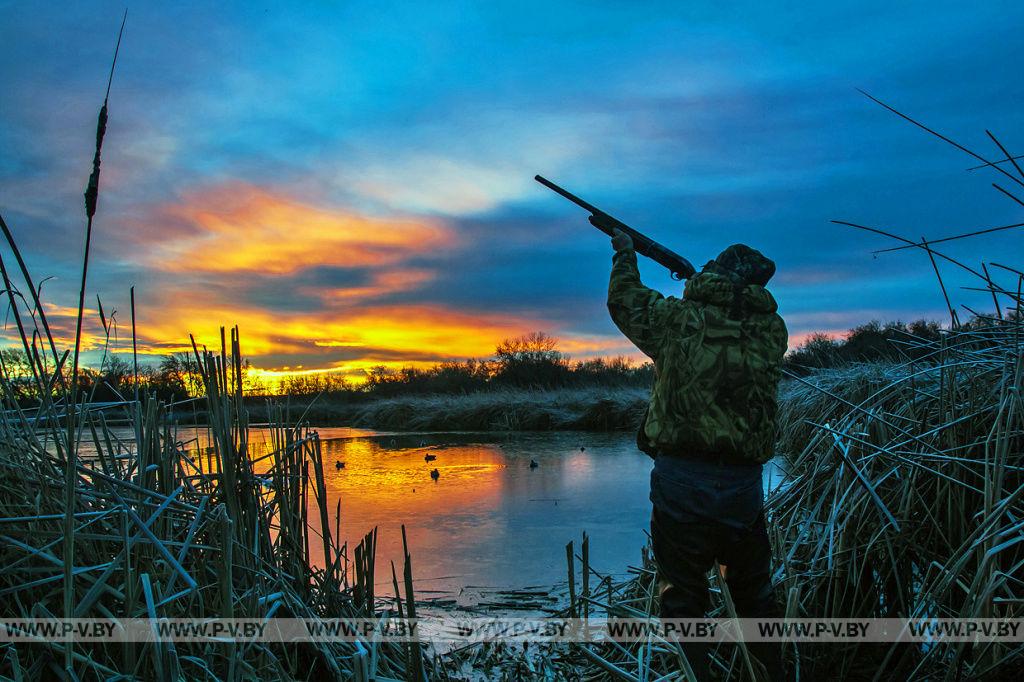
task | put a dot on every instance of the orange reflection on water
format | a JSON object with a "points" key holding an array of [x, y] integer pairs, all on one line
{"points": [[385, 486]]}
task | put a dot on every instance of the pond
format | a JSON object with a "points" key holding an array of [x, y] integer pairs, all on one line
{"points": [[490, 521]]}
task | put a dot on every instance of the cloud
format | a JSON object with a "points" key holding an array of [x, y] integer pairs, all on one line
{"points": [[431, 183], [381, 284], [314, 287], [811, 275], [236, 227], [62, 321]]}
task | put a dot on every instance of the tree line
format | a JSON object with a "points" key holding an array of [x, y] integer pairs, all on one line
{"points": [[529, 361], [871, 342]]}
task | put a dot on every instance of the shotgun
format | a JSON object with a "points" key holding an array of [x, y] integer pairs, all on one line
{"points": [[679, 267]]}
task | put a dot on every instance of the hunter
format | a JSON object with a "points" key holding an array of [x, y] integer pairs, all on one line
{"points": [[710, 426]]}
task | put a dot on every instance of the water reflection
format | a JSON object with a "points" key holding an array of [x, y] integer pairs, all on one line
{"points": [[490, 519]]}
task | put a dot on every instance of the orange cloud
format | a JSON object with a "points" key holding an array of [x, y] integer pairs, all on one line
{"points": [[598, 345], [61, 321], [384, 282], [242, 228], [389, 331]]}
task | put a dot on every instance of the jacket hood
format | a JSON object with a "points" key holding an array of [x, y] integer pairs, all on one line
{"points": [[743, 264], [718, 290]]}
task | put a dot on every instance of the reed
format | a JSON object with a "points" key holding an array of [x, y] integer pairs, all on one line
{"points": [[159, 536], [511, 409]]}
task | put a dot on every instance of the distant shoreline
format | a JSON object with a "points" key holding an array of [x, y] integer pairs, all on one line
{"points": [[576, 409]]}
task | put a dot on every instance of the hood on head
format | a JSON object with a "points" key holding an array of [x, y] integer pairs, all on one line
{"points": [[742, 265], [715, 289]]}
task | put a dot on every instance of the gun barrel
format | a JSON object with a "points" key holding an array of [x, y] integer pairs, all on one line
{"points": [[679, 267], [567, 194]]}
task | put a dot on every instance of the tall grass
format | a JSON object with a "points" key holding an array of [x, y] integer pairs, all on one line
{"points": [[906, 499], [161, 536]]}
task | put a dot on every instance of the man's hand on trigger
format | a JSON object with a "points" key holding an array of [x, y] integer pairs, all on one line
{"points": [[621, 241]]}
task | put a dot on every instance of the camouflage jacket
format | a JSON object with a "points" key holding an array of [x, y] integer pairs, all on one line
{"points": [[717, 354]]}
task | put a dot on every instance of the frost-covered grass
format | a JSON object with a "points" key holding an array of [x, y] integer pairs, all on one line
{"points": [[577, 409]]}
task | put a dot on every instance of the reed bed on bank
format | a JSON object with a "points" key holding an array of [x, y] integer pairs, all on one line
{"points": [[161, 531], [907, 500]]}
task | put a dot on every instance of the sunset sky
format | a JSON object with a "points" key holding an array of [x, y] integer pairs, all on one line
{"points": [[352, 183]]}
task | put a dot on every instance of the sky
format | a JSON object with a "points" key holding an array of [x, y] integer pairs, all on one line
{"points": [[352, 183]]}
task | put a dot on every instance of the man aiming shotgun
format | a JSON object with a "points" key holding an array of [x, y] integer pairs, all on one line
{"points": [[710, 424]]}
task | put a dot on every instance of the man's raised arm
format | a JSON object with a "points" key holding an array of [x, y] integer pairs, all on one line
{"points": [[638, 311]]}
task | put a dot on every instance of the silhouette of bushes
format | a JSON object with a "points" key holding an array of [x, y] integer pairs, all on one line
{"points": [[871, 342]]}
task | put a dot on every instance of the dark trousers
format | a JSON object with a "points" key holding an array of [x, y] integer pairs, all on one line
{"points": [[686, 550]]}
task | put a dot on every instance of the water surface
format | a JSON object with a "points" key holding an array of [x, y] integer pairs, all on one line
{"points": [[490, 520]]}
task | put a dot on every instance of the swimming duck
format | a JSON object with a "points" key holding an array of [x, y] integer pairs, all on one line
{"points": [[435, 474], [429, 458], [533, 464], [339, 465]]}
